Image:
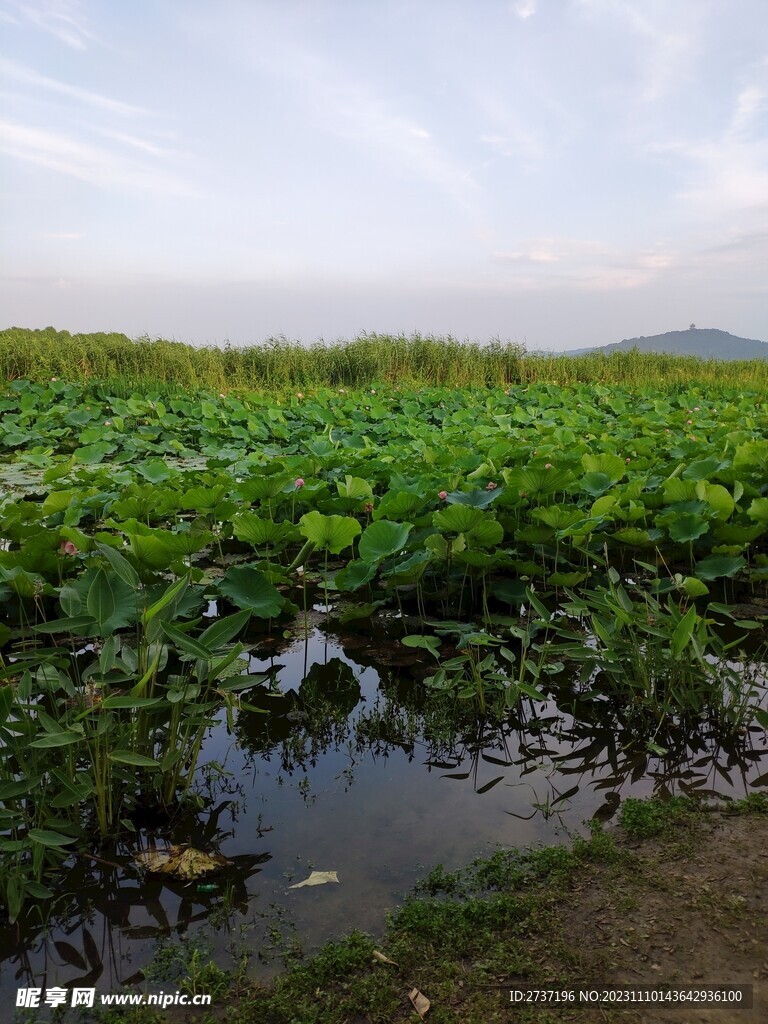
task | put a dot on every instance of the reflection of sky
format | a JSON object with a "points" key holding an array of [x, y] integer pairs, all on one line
{"points": [[380, 821]]}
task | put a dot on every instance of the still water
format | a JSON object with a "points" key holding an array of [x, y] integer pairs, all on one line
{"points": [[350, 769]]}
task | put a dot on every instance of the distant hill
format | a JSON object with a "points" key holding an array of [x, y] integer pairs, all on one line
{"points": [[707, 343]]}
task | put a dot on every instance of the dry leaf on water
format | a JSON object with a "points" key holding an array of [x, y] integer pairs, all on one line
{"points": [[317, 878], [420, 1002], [383, 959], [181, 862]]}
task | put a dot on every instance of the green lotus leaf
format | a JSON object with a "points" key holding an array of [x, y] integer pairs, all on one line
{"points": [[635, 537], [557, 516], [260, 488], [606, 506], [477, 499], [751, 455], [716, 566], [687, 527], [702, 469], [425, 643], [612, 466], [458, 518], [694, 587], [354, 487], [399, 505], [535, 482], [354, 575], [758, 510], [487, 534], [331, 533], [382, 539], [677, 490], [717, 497], [248, 588], [596, 484], [260, 532], [155, 470], [567, 579]]}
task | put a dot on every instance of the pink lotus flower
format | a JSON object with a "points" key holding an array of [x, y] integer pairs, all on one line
{"points": [[548, 466], [68, 548], [491, 486], [299, 394], [298, 482], [689, 422], [443, 495], [627, 459]]}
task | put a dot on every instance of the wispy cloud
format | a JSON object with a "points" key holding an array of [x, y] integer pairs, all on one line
{"points": [[668, 40], [14, 72], [134, 142], [62, 236], [87, 162], [727, 173], [583, 264], [351, 109], [525, 8], [63, 19]]}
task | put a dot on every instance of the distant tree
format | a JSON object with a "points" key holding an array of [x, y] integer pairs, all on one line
{"points": [[692, 327]]}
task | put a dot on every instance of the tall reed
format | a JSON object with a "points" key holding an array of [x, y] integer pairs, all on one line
{"points": [[279, 364]]}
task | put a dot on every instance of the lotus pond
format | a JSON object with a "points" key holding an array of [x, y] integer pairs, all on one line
{"points": [[359, 633]]}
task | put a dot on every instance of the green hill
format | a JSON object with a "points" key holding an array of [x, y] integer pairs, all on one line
{"points": [[707, 343]]}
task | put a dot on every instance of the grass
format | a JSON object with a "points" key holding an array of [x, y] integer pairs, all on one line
{"points": [[279, 364]]}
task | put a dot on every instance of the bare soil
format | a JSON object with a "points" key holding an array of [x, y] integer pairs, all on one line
{"points": [[687, 910]]}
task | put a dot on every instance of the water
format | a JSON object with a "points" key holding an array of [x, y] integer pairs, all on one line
{"points": [[352, 771]]}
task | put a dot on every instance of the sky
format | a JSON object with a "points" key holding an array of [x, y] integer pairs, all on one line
{"points": [[557, 173]]}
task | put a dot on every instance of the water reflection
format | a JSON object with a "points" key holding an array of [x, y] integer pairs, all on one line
{"points": [[352, 767]]}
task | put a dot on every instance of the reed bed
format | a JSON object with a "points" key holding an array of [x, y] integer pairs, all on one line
{"points": [[279, 364]]}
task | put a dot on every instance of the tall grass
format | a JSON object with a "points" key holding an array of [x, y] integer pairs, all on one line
{"points": [[279, 364]]}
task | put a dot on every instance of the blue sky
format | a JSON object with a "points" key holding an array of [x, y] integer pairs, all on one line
{"points": [[554, 172]]}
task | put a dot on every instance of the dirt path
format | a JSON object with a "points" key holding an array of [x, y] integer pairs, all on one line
{"points": [[691, 910]]}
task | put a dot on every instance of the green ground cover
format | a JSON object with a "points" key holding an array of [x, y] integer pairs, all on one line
{"points": [[526, 534]]}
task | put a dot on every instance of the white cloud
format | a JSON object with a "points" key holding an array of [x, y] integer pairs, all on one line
{"points": [[525, 8], [668, 37], [27, 76], [351, 109], [87, 162], [750, 103], [583, 264], [62, 19]]}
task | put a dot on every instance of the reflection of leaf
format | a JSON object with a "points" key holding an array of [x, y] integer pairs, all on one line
{"points": [[420, 1002], [181, 862], [497, 760], [317, 878], [70, 955], [91, 950], [488, 785]]}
